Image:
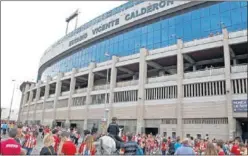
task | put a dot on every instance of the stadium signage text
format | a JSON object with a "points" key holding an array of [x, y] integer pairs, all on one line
{"points": [[240, 105], [115, 22], [141, 11], [148, 9]]}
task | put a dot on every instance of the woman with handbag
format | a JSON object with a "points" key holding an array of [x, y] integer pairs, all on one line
{"points": [[48, 148]]}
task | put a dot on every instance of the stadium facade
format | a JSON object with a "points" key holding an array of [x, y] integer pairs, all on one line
{"points": [[177, 68]]}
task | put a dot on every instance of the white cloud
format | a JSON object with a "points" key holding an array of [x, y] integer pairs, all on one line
{"points": [[28, 29]]}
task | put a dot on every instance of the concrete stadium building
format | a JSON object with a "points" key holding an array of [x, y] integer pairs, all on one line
{"points": [[177, 68]]}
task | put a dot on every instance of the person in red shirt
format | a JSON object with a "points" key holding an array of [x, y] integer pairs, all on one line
{"points": [[68, 147], [56, 139], [219, 146], [10, 146], [235, 148]]}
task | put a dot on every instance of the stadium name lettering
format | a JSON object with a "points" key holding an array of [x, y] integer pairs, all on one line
{"points": [[106, 26], [95, 31], [78, 39], [148, 9]]}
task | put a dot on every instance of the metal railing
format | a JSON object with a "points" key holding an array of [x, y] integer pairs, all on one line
{"points": [[239, 68], [101, 87], [127, 83], [161, 78], [82, 90], [205, 73]]}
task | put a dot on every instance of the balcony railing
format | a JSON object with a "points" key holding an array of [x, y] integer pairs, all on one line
{"points": [[161, 78], [101, 87], [51, 95], [239, 68], [127, 83], [82, 90], [65, 93], [205, 73]]}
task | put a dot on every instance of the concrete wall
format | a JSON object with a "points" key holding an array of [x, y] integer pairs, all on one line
{"points": [[128, 112], [159, 111], [213, 130], [204, 107]]}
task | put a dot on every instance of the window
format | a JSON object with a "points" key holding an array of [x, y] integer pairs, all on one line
{"points": [[215, 22], [214, 9], [187, 135], [235, 5], [236, 18], [205, 12], [225, 6]]}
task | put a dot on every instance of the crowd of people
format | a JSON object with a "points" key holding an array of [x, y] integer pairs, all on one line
{"points": [[22, 139]]}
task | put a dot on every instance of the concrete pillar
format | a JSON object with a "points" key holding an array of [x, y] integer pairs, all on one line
{"points": [[20, 107], [26, 94], [70, 100], [180, 73], [37, 97], [89, 89], [25, 99], [194, 68], [46, 94], [231, 120], [113, 78], [141, 91], [57, 94], [161, 73], [31, 94]]}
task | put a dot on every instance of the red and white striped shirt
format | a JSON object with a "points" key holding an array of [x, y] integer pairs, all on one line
{"points": [[30, 142]]}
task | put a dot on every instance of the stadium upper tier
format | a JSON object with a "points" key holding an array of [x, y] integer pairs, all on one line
{"points": [[125, 29]]}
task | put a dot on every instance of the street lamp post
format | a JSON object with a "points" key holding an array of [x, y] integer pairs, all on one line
{"points": [[11, 102]]}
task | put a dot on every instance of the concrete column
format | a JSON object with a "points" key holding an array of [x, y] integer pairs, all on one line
{"points": [[70, 101], [194, 67], [46, 94], [30, 100], [25, 92], [89, 89], [231, 120], [141, 91], [180, 73], [20, 108], [113, 77], [37, 97], [57, 94]]}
